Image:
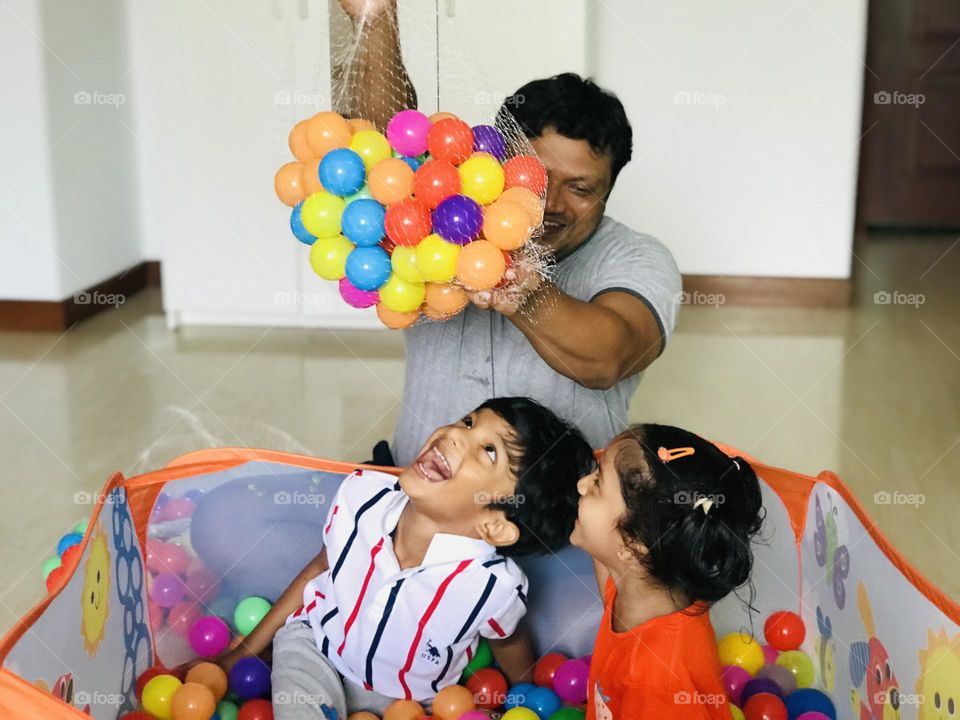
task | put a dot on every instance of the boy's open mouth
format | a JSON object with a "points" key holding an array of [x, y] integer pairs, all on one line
{"points": [[433, 466]]}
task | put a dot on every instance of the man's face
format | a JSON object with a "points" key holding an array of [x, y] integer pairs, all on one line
{"points": [[578, 182]]}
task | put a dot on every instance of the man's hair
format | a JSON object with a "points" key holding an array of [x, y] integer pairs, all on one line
{"points": [[576, 108], [548, 456]]}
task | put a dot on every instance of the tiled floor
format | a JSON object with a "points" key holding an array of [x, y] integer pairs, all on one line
{"points": [[871, 391]]}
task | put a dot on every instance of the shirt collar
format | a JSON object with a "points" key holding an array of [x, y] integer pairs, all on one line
{"points": [[446, 548]]}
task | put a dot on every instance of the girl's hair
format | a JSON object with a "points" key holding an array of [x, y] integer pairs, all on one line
{"points": [[704, 555]]}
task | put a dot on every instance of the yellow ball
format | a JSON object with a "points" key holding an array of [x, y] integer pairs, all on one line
{"points": [[736, 712], [800, 664], [742, 650], [158, 696], [520, 713], [371, 146], [481, 177], [328, 256], [401, 296], [437, 258], [321, 213], [404, 262]]}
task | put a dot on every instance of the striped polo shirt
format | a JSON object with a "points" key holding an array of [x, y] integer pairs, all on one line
{"points": [[404, 633]]}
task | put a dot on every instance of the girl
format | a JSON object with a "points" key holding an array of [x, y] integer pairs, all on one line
{"points": [[667, 518]]}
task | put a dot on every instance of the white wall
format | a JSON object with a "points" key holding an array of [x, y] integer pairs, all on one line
{"points": [[746, 118]]}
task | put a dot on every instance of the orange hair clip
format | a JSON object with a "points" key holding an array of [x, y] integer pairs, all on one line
{"points": [[668, 455]]}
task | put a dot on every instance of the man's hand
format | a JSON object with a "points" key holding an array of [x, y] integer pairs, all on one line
{"points": [[521, 284], [367, 10]]}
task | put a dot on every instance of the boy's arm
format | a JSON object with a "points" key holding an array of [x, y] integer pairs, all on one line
{"points": [[514, 655]]}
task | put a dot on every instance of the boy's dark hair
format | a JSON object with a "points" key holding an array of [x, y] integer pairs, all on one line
{"points": [[576, 108], [549, 456], [704, 555]]}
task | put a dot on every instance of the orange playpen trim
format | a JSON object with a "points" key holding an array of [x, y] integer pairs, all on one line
{"points": [[20, 699]]}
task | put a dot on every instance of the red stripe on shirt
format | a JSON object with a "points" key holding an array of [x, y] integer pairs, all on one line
{"points": [[363, 591], [469, 654], [496, 628], [332, 516], [423, 622]]}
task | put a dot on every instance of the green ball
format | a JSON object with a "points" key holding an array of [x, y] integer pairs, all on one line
{"points": [[80, 527], [227, 710], [249, 613], [481, 659], [49, 566], [568, 713]]}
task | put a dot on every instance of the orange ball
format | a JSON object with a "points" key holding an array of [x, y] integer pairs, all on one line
{"points": [[193, 701], [358, 124], [452, 702], [480, 265], [404, 710], [310, 177], [506, 224], [546, 668], [443, 300], [327, 131], [525, 171], [210, 676], [287, 184], [390, 181], [435, 181], [450, 139], [396, 320], [437, 116], [298, 142], [362, 715], [527, 200]]}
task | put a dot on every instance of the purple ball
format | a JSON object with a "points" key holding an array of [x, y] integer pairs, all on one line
{"points": [[250, 678], [781, 676], [486, 138], [209, 636], [458, 219], [759, 685], [167, 589], [570, 681]]}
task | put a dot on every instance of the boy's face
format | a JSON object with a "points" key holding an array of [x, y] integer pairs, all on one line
{"points": [[462, 468]]}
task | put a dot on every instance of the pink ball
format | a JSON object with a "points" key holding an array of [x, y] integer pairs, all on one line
{"points": [[356, 297], [166, 557], [202, 585], [570, 681], [209, 636], [182, 616], [176, 509], [769, 654], [474, 715], [167, 590], [812, 715], [407, 132], [588, 659], [734, 678]]}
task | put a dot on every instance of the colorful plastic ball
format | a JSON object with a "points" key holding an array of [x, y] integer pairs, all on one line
{"points": [[56, 576], [310, 177], [800, 664], [452, 702], [517, 695], [435, 181], [328, 256], [166, 557], [442, 115], [489, 687], [182, 616], [146, 676], [531, 203], [297, 141], [475, 715], [404, 710], [413, 163], [568, 713], [371, 146], [49, 565], [734, 678], [390, 181], [781, 676], [404, 262], [321, 213], [227, 710], [458, 219], [209, 636], [570, 681], [770, 654], [362, 222], [520, 713], [68, 540], [167, 590], [813, 715], [481, 178], [765, 706], [286, 183], [407, 132], [137, 715], [450, 139], [480, 265], [407, 222], [250, 678], [546, 668], [358, 124], [737, 713], [70, 558], [446, 300], [177, 508], [367, 268], [202, 584], [807, 700], [361, 194], [543, 701], [742, 650], [80, 527], [158, 695], [256, 709], [437, 259], [402, 296], [759, 685], [355, 297], [209, 675], [342, 171], [486, 138], [327, 131], [506, 224], [784, 630], [193, 701], [389, 245], [362, 715], [155, 614], [396, 320], [525, 171], [297, 228]]}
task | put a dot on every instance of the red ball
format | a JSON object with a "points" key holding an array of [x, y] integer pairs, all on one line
{"points": [[137, 715], [784, 630], [450, 139], [408, 222], [489, 688], [525, 171], [546, 668], [435, 181], [765, 706], [53, 579], [146, 676], [258, 709], [70, 556]]}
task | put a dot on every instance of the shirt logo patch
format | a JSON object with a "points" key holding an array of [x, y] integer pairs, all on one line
{"points": [[431, 654]]}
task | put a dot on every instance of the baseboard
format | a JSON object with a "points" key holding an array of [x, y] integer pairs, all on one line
{"points": [[767, 291]]}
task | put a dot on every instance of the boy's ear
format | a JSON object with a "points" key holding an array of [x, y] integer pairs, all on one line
{"points": [[494, 528]]}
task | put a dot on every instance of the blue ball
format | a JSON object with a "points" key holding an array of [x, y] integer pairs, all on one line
{"points": [[809, 700], [368, 267], [517, 695], [543, 701], [411, 161], [362, 222], [250, 678], [68, 541], [296, 225], [342, 172]]}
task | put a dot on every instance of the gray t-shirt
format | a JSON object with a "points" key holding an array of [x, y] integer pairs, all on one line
{"points": [[453, 366]]}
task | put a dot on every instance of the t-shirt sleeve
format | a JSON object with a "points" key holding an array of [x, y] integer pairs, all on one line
{"points": [[356, 489], [503, 622]]}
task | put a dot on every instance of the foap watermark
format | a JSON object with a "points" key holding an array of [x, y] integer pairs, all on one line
{"points": [[897, 699], [699, 97], [485, 498], [285, 297], [300, 99], [297, 697], [96, 97], [701, 298], [96, 297], [885, 97], [299, 498], [684, 697], [483, 97], [82, 497], [96, 698], [885, 497], [689, 498], [895, 297]]}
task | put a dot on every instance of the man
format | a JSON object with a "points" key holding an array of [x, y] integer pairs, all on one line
{"points": [[580, 341]]}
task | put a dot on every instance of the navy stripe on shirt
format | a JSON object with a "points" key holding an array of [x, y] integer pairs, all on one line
{"points": [[353, 535], [497, 561], [484, 596], [323, 621], [394, 591]]}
